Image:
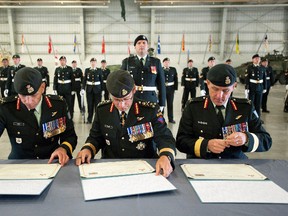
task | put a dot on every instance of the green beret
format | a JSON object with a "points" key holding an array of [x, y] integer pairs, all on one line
{"points": [[62, 57], [255, 56], [140, 37], [15, 56], [27, 81], [211, 58], [222, 75], [119, 83], [166, 59]]}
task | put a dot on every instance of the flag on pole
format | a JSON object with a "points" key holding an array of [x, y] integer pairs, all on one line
{"points": [[266, 43], [188, 55], [75, 43], [103, 46], [129, 42], [22, 44], [56, 56], [50, 45], [210, 42], [159, 45], [183, 43], [237, 44]]}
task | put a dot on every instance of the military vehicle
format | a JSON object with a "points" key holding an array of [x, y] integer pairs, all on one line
{"points": [[278, 62]]}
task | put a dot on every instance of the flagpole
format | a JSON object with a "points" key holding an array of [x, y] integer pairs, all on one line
{"points": [[262, 41], [28, 50], [182, 42], [206, 50]]}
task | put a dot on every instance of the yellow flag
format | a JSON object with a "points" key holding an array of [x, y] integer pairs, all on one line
{"points": [[237, 44]]}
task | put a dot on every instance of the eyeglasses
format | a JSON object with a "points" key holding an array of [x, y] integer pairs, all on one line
{"points": [[125, 100]]}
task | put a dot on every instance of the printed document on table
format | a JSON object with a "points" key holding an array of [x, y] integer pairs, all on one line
{"points": [[28, 171], [239, 192], [119, 168], [222, 171], [103, 188]]}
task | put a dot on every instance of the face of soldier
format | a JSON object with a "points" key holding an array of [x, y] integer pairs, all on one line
{"points": [[63, 62], [93, 64], [16, 61], [190, 64], [256, 60], [219, 95], [211, 63], [39, 63], [103, 64], [74, 65], [264, 63], [166, 64], [124, 104], [31, 101], [141, 48], [5, 63]]}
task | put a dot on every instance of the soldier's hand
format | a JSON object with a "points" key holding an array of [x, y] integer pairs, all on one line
{"points": [[236, 139], [217, 146], [264, 91], [83, 156], [61, 154], [163, 166], [82, 92], [6, 92]]}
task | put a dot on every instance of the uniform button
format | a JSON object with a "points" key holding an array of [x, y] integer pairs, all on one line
{"points": [[37, 157], [220, 134], [123, 149], [18, 132], [106, 134], [142, 71], [37, 134], [36, 146], [201, 131], [142, 78], [122, 138]]}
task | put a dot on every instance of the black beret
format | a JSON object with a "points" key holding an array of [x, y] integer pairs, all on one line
{"points": [[62, 57], [228, 60], [93, 59], [4, 59], [264, 59], [15, 56], [222, 75], [74, 61], [166, 59], [140, 37], [103, 61], [27, 81], [255, 56], [39, 59], [211, 58], [120, 83], [151, 49], [190, 60]]}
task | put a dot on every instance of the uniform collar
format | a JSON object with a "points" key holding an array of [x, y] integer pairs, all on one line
{"points": [[225, 104], [93, 68], [256, 65], [38, 108], [144, 57]]}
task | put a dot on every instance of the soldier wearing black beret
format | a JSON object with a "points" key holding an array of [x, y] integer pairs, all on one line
{"points": [[77, 86], [126, 127], [147, 73], [12, 71], [203, 76], [44, 72], [218, 125], [105, 73], [4, 70], [39, 126]]}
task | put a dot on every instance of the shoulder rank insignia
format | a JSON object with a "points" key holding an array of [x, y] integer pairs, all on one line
{"points": [[233, 105], [206, 103], [136, 107], [147, 104], [111, 107], [48, 102]]}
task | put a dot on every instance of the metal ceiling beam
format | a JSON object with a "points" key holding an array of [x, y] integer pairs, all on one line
{"points": [[213, 6], [51, 6]]}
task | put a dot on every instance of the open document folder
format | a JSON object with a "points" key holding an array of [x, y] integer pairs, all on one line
{"points": [[233, 183], [115, 179], [26, 179]]}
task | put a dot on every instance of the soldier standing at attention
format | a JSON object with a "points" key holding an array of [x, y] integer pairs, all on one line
{"points": [[269, 83], [38, 125], [228, 61], [76, 88], [63, 82], [190, 80], [9, 89], [93, 83], [126, 127], [171, 82], [255, 83], [105, 73], [203, 76], [147, 73], [4, 70], [44, 72]]}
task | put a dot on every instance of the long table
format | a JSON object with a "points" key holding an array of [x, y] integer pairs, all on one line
{"points": [[65, 197]]}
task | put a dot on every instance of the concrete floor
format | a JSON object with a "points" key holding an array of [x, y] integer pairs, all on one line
{"points": [[276, 123]]}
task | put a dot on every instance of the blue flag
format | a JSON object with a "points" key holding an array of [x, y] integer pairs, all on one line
{"points": [[159, 45], [75, 43]]}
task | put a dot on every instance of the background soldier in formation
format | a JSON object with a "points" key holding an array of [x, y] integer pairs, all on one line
{"points": [[255, 83], [44, 72], [105, 73], [147, 73], [190, 80], [203, 76], [269, 83], [4, 70], [93, 83], [9, 89], [76, 88], [63, 82], [171, 82]]}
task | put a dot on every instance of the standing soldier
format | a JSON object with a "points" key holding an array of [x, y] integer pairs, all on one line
{"points": [[63, 82], [171, 82], [255, 83], [203, 76], [93, 83], [190, 80], [76, 88], [44, 72], [105, 73], [4, 75], [147, 73], [269, 83], [9, 89]]}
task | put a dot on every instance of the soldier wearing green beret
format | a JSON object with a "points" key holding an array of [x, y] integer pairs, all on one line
{"points": [[126, 127], [39, 126], [218, 125], [4, 75]]}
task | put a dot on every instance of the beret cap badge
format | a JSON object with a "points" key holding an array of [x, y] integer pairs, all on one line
{"points": [[30, 89], [227, 80], [124, 92]]}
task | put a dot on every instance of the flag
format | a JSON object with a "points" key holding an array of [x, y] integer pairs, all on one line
{"points": [[50, 45], [159, 45], [129, 42], [22, 44], [237, 44], [183, 43], [210, 43], [56, 56], [188, 55], [266, 44], [75, 43], [103, 46]]}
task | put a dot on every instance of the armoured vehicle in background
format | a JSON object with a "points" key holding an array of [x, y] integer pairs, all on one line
{"points": [[278, 62]]}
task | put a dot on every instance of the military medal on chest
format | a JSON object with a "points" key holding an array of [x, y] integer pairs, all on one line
{"points": [[140, 132], [54, 127]]}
